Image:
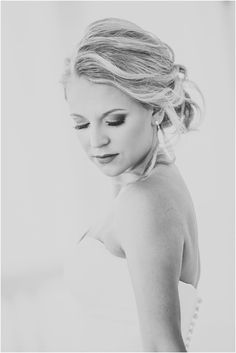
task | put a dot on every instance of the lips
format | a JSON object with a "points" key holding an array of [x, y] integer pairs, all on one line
{"points": [[106, 155], [106, 158]]}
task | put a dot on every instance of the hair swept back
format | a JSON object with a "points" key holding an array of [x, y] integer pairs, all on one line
{"points": [[120, 53]]}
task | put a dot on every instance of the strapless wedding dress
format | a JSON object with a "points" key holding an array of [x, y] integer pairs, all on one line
{"points": [[106, 316]]}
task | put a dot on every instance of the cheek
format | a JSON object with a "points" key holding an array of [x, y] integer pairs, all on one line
{"points": [[138, 137], [84, 141]]}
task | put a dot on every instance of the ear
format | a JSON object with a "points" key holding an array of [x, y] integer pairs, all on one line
{"points": [[157, 116]]}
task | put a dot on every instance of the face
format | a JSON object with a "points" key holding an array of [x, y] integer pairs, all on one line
{"points": [[114, 130]]}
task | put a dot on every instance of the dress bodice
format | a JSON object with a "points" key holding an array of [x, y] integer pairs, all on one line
{"points": [[100, 286]]}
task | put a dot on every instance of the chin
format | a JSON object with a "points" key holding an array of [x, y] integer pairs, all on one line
{"points": [[111, 171]]}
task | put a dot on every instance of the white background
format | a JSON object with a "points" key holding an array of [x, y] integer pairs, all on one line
{"points": [[51, 192]]}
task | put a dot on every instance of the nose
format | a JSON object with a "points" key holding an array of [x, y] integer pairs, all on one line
{"points": [[97, 137]]}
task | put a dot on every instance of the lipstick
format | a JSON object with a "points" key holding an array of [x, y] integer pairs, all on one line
{"points": [[106, 158]]}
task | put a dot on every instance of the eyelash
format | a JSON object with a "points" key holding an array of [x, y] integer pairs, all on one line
{"points": [[110, 123]]}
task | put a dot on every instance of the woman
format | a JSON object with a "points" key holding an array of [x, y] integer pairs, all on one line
{"points": [[124, 93]]}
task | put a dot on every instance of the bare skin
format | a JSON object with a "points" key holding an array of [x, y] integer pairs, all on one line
{"points": [[169, 180], [151, 223], [163, 177]]}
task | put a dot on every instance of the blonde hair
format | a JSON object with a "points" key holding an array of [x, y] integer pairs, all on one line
{"points": [[120, 53]]}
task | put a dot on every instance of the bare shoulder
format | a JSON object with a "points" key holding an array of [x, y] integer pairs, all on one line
{"points": [[153, 206], [158, 212], [151, 229], [163, 192]]}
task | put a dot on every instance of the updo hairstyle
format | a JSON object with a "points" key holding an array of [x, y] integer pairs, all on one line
{"points": [[119, 53]]}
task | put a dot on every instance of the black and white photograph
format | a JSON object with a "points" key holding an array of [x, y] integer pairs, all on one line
{"points": [[118, 171]]}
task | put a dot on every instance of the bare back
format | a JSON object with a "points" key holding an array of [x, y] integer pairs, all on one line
{"points": [[167, 184]]}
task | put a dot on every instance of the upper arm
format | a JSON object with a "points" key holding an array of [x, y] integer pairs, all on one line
{"points": [[152, 238]]}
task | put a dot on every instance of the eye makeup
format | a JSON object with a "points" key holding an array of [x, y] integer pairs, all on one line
{"points": [[117, 122], [79, 127]]}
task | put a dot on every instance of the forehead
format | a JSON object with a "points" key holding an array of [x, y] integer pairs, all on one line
{"points": [[84, 96]]}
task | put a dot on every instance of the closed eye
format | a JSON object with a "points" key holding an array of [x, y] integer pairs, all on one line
{"points": [[117, 122], [109, 123], [78, 127]]}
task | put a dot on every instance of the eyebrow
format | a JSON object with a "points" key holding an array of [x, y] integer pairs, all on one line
{"points": [[102, 116]]}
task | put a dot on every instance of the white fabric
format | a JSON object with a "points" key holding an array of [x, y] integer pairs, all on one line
{"points": [[100, 287]]}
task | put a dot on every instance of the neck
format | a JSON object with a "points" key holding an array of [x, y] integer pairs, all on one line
{"points": [[144, 166]]}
